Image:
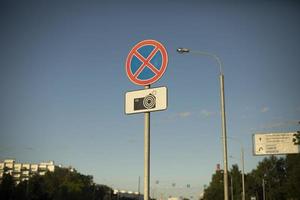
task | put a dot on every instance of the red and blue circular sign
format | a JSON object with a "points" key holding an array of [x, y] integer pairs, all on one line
{"points": [[146, 62]]}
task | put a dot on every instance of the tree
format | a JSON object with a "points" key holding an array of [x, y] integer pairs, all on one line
{"points": [[62, 184], [7, 187], [293, 176], [37, 189], [273, 172], [103, 192], [215, 189], [236, 177], [20, 192]]}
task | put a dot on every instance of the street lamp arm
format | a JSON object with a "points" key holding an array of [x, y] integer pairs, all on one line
{"points": [[204, 53], [236, 140], [217, 58]]}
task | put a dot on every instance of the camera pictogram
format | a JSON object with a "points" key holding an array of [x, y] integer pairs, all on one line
{"points": [[147, 102]]}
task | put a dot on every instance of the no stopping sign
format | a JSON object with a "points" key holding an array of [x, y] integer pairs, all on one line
{"points": [[146, 62]]}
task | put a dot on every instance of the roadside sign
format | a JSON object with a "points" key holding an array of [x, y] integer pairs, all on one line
{"points": [[148, 100], [146, 62], [275, 143]]}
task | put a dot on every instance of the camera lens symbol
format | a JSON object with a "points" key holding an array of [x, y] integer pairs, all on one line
{"points": [[149, 101]]}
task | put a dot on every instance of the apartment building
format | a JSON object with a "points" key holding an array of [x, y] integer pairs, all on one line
{"points": [[22, 171]]}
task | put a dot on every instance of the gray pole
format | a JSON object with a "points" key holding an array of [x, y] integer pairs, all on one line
{"points": [[139, 184], [147, 153], [231, 187], [224, 136], [243, 173], [264, 192]]}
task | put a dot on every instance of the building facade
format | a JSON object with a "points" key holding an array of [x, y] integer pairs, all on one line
{"points": [[122, 194], [22, 171]]}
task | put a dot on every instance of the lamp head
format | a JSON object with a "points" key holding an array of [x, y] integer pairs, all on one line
{"points": [[183, 50]]}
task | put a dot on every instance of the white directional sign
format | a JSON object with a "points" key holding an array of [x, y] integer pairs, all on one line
{"points": [[275, 143], [148, 100]]}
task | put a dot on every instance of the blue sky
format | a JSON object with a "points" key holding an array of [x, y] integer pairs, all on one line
{"points": [[63, 81]]}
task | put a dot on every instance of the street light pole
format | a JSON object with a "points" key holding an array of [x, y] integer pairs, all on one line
{"points": [[224, 136], [243, 173], [223, 116]]}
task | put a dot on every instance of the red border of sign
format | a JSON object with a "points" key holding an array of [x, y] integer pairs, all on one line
{"points": [[162, 70]]}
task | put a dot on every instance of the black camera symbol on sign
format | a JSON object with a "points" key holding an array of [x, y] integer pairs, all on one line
{"points": [[147, 102]]}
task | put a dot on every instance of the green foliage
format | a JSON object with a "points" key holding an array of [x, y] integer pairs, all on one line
{"points": [[236, 184], [7, 187], [215, 190], [272, 171], [281, 176], [59, 185], [293, 176], [36, 189]]}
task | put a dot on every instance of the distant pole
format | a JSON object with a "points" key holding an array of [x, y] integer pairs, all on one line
{"points": [[243, 173], [139, 184], [264, 192], [231, 187], [154, 191], [242, 166], [147, 153]]}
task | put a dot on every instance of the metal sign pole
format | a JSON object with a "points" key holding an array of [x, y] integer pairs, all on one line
{"points": [[145, 73], [147, 153], [224, 137]]}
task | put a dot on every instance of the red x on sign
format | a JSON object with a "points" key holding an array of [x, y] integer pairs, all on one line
{"points": [[146, 62]]}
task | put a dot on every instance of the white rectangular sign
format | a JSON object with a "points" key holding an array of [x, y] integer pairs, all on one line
{"points": [[148, 100], [275, 143]]}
